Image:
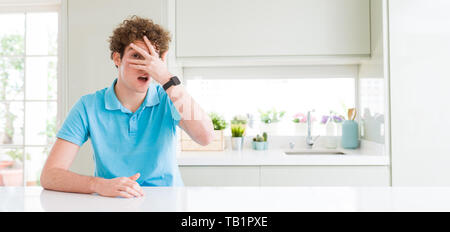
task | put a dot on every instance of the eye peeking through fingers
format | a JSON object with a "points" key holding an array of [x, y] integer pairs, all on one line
{"points": [[137, 56]]}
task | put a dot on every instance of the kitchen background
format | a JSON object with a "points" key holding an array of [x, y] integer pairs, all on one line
{"points": [[244, 59]]}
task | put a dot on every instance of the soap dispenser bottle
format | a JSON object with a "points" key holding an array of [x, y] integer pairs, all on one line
{"points": [[331, 141]]}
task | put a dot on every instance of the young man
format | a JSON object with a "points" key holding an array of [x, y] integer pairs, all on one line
{"points": [[132, 124]]}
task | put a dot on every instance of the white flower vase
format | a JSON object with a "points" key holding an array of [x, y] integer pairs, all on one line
{"points": [[339, 129]]}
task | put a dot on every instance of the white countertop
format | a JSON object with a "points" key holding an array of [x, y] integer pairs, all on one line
{"points": [[234, 199], [249, 157]]}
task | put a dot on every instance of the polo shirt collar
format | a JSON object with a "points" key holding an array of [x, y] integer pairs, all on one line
{"points": [[113, 103]]}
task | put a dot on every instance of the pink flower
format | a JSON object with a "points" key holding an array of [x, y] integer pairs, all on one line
{"points": [[300, 118]]}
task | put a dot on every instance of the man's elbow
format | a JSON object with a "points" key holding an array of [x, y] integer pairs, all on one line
{"points": [[206, 138], [45, 179]]}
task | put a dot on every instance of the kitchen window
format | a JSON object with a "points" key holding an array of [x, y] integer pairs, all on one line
{"points": [[292, 90], [28, 92]]}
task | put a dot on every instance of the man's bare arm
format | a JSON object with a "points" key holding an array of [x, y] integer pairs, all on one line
{"points": [[56, 176], [194, 120]]}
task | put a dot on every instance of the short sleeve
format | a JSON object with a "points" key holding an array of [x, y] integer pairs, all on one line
{"points": [[75, 128], [174, 112]]}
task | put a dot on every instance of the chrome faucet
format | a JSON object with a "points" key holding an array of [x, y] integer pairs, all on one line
{"points": [[309, 139]]}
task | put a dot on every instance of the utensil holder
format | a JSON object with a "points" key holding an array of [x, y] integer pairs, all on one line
{"points": [[350, 135]]}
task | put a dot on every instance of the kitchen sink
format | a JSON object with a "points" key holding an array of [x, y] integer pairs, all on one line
{"points": [[314, 152]]}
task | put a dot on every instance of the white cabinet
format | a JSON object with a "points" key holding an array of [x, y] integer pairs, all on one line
{"points": [[220, 175], [325, 176], [216, 28], [285, 175]]}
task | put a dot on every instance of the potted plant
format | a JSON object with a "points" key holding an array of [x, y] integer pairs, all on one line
{"points": [[299, 121], [270, 120], [220, 125], [11, 172], [260, 142], [6, 164], [237, 136], [218, 143], [218, 121]]}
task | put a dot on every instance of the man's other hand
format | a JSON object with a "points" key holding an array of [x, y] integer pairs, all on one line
{"points": [[126, 187]]}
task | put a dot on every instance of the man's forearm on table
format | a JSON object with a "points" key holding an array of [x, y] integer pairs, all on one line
{"points": [[66, 181]]}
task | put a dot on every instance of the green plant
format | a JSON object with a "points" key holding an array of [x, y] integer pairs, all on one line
{"points": [[237, 130], [271, 116], [239, 119], [259, 138], [11, 45], [17, 155], [218, 121], [265, 136]]}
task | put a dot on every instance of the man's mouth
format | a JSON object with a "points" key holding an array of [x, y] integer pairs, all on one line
{"points": [[143, 79]]}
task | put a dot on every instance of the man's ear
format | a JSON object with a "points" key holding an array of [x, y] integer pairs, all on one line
{"points": [[116, 58], [164, 56]]}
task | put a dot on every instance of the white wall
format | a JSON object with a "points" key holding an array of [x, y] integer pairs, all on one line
{"points": [[9, 6], [420, 84]]}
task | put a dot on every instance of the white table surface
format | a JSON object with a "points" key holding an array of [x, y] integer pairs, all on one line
{"points": [[234, 199]]}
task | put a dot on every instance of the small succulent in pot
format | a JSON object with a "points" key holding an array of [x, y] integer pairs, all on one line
{"points": [[260, 142], [258, 139]]}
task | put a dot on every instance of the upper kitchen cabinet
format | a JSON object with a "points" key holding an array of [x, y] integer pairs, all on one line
{"points": [[234, 28]]}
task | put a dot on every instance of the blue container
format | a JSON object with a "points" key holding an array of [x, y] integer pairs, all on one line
{"points": [[350, 135], [259, 146]]}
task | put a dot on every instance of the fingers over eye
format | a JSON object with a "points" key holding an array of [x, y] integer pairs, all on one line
{"points": [[150, 47], [136, 61], [140, 50], [136, 66]]}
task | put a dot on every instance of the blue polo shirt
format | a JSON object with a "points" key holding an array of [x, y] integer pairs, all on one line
{"points": [[126, 143]]}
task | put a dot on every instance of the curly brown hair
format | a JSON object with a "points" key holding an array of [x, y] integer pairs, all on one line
{"points": [[134, 28]]}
